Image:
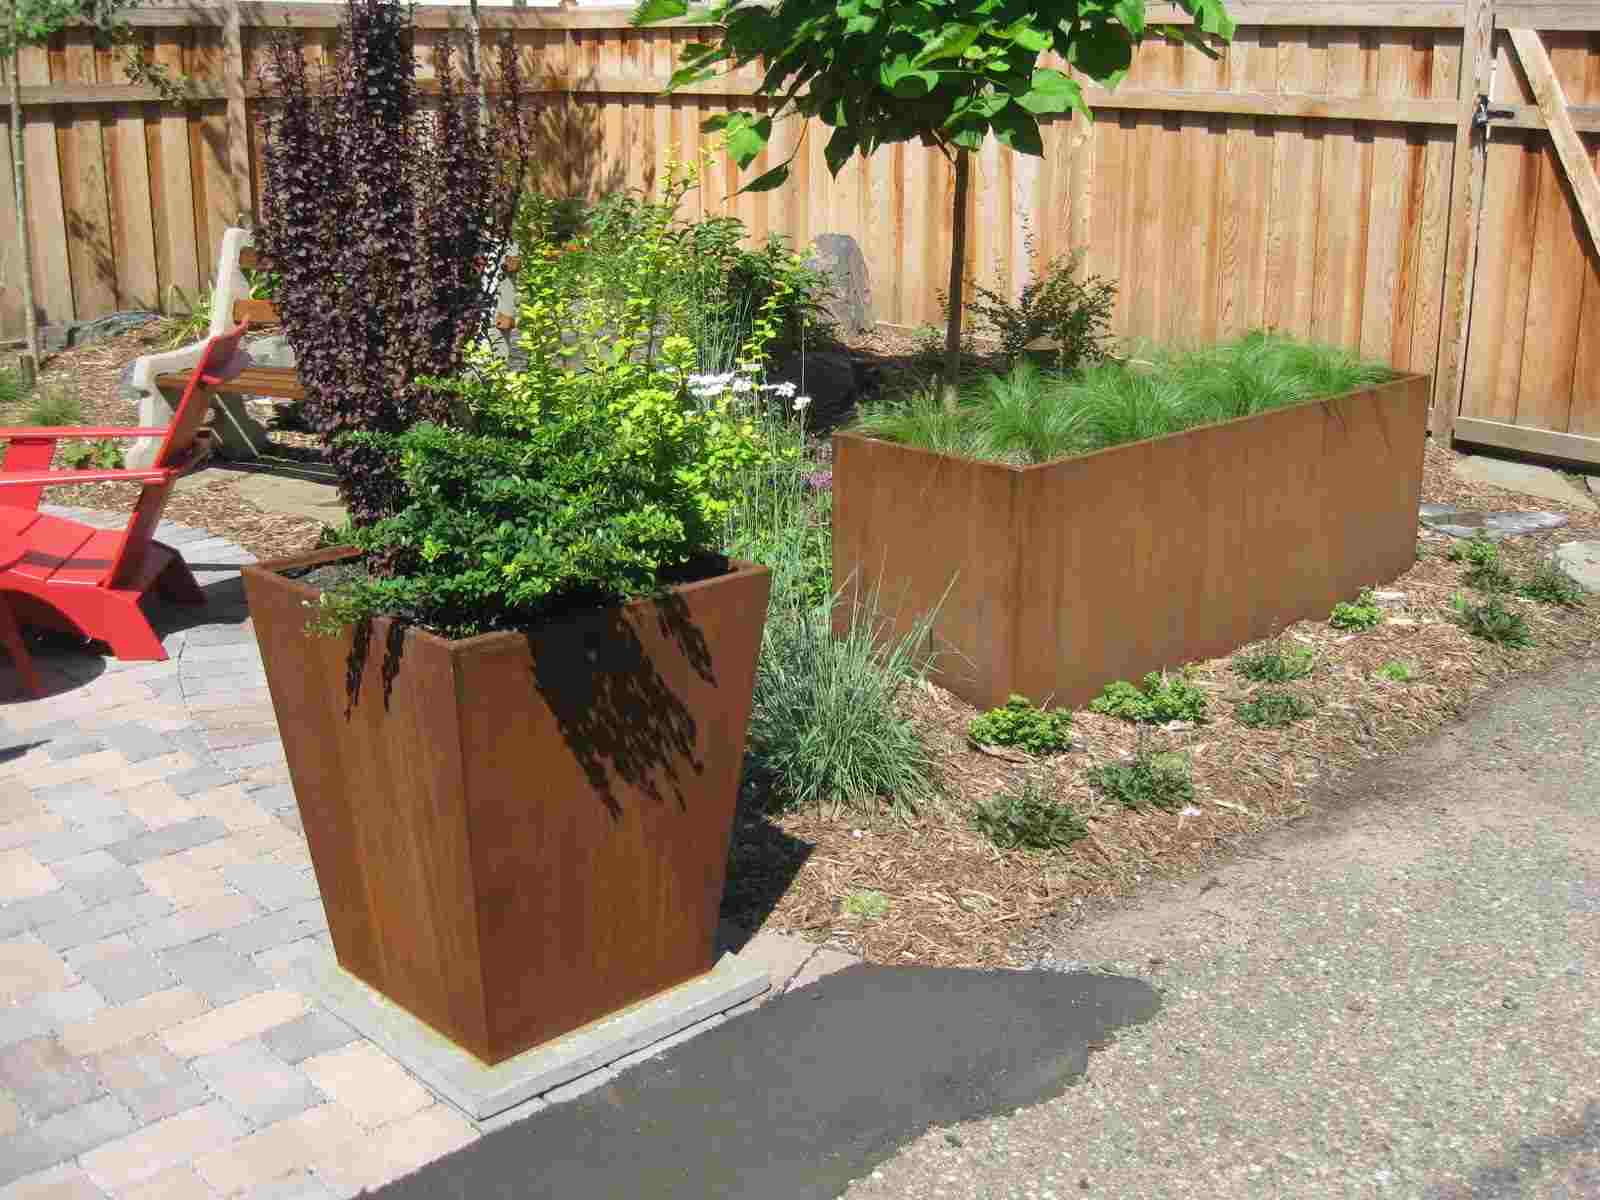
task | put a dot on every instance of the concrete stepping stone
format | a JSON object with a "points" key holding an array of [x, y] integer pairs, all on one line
{"points": [[1521, 477], [1466, 522], [1579, 562]]}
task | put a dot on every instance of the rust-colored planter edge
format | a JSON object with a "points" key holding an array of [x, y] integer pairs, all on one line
{"points": [[331, 554], [1059, 577], [1404, 379], [515, 834]]}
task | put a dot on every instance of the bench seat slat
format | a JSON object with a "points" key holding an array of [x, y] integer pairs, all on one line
{"points": [[280, 382]]}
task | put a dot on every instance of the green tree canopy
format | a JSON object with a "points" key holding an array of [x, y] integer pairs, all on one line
{"points": [[944, 72]]}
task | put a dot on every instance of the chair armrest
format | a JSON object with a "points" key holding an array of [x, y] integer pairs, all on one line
{"points": [[56, 433], [68, 478]]}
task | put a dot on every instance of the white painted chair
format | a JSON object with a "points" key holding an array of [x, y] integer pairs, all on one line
{"points": [[240, 435]]}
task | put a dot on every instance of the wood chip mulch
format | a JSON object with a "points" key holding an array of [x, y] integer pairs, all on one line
{"points": [[953, 899]]}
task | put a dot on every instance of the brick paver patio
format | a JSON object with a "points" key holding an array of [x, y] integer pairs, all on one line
{"points": [[155, 896]]}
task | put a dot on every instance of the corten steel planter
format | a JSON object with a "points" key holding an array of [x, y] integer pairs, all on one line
{"points": [[516, 835], [1067, 575]]}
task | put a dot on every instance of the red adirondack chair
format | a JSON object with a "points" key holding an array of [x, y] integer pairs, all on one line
{"points": [[64, 574]]}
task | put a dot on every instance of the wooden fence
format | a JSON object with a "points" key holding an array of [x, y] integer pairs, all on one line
{"points": [[1324, 176]]}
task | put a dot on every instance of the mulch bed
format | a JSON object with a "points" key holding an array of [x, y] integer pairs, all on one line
{"points": [[955, 900]]}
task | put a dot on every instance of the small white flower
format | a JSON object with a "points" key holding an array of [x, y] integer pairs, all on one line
{"points": [[784, 388], [801, 403], [1190, 810], [741, 386]]}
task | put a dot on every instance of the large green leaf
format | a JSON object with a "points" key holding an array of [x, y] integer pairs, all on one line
{"points": [[1102, 52], [1018, 129], [1052, 92], [950, 42], [747, 138], [839, 149], [650, 11], [901, 76], [767, 180]]}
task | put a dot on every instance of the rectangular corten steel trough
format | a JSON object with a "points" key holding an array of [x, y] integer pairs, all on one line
{"points": [[1068, 575], [516, 835]]}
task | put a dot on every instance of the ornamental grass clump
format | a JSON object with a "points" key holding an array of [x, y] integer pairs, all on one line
{"points": [[1032, 416]]}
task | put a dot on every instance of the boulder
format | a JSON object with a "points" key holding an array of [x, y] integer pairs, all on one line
{"points": [[835, 381], [1579, 562], [849, 300]]}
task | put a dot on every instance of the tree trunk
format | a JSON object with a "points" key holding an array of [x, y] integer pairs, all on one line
{"points": [[30, 357], [958, 264]]}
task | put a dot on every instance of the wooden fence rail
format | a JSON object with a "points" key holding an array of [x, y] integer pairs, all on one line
{"points": [[1324, 176]]}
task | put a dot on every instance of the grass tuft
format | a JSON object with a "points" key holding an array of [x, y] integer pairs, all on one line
{"points": [[826, 728], [54, 402], [1029, 416]]}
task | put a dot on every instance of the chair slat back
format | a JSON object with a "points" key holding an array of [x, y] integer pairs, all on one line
{"points": [[219, 357]]}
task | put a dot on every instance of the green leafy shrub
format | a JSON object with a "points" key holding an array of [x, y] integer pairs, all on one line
{"points": [[1026, 818], [1020, 723], [1362, 613], [826, 726], [1549, 584], [586, 476], [1073, 312], [1148, 779], [1398, 672], [1275, 664], [1476, 551], [1162, 697], [100, 455], [1271, 708], [54, 402], [1492, 621]]}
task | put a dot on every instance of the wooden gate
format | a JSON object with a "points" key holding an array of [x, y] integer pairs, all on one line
{"points": [[1530, 370]]}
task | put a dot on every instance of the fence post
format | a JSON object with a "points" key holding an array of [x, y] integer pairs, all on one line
{"points": [[1466, 202], [237, 123]]}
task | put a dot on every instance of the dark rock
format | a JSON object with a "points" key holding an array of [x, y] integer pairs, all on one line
{"points": [[835, 381], [849, 298], [1466, 523]]}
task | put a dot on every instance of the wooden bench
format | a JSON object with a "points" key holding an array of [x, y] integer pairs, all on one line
{"points": [[160, 378]]}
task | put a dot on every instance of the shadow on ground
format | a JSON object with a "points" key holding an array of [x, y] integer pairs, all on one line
{"points": [[811, 1090]]}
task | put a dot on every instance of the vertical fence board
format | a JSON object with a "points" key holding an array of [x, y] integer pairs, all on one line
{"points": [[41, 159]]}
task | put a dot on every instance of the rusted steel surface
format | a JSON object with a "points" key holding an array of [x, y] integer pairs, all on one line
{"points": [[515, 836], [1065, 576]]}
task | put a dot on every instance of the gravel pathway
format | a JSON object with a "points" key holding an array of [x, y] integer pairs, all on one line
{"points": [[1394, 998]]}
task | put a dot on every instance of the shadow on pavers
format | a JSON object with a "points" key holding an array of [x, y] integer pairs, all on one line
{"points": [[811, 1090]]}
